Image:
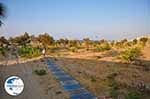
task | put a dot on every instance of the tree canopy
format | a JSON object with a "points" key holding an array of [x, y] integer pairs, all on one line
{"points": [[46, 39], [21, 40]]}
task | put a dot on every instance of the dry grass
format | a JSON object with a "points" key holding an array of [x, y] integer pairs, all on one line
{"points": [[93, 72]]}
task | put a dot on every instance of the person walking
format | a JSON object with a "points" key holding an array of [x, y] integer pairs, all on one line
{"points": [[43, 52]]}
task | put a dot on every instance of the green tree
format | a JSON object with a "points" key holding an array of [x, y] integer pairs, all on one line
{"points": [[124, 41], [63, 42], [46, 39], [25, 39], [87, 43], [143, 40], [135, 41], [3, 46], [74, 43], [22, 40], [3, 41], [101, 41]]}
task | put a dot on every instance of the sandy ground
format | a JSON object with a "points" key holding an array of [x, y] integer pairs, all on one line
{"points": [[87, 66], [36, 87], [83, 66]]}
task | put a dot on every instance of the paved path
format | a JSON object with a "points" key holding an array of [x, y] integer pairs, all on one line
{"points": [[68, 83]]}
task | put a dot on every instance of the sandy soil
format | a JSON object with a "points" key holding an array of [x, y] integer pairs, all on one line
{"points": [[84, 66], [98, 66], [36, 87]]}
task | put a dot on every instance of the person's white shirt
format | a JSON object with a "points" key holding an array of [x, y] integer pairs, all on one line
{"points": [[43, 51]]}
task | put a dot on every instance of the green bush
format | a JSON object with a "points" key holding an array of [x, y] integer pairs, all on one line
{"points": [[2, 51], [73, 49], [40, 72], [130, 54], [114, 93], [106, 47], [113, 89], [102, 47], [93, 79], [133, 94], [98, 49], [27, 51]]}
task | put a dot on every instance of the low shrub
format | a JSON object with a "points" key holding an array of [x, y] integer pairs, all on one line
{"points": [[134, 94], [114, 93], [106, 47], [73, 49], [40, 72], [28, 52], [93, 79], [130, 54], [2, 51], [97, 49], [113, 89], [112, 75], [102, 47], [98, 57]]}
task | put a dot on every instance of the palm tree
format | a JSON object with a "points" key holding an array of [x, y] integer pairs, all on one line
{"points": [[2, 13]]}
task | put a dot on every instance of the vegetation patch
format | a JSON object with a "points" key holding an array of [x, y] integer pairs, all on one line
{"points": [[2, 51], [102, 47], [40, 72], [134, 94], [130, 54], [114, 88], [28, 52], [73, 49], [93, 79]]}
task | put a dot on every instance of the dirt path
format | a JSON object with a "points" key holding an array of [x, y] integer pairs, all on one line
{"points": [[31, 90], [36, 87]]}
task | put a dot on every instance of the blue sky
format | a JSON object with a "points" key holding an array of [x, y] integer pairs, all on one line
{"points": [[77, 19]]}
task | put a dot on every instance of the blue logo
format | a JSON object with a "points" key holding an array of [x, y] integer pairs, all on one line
{"points": [[14, 85]]}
